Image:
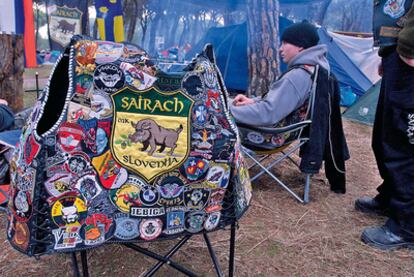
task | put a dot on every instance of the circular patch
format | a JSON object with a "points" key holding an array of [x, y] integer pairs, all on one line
{"points": [[212, 221], [126, 228], [255, 137], [77, 163], [149, 195], [278, 140], [69, 211], [193, 85], [109, 78], [127, 195], [194, 222], [150, 228], [171, 188]]}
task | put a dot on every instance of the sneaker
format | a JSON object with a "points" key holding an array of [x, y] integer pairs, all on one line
{"points": [[381, 237], [371, 206]]}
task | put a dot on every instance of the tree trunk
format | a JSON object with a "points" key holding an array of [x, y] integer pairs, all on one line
{"points": [[263, 44], [132, 20], [11, 70]]}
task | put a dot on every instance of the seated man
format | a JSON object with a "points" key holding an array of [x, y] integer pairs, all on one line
{"points": [[287, 94]]}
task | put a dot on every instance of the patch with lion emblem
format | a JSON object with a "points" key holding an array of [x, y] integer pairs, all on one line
{"points": [[151, 130]]}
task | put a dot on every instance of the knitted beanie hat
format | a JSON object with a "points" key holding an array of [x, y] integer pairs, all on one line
{"points": [[302, 34]]}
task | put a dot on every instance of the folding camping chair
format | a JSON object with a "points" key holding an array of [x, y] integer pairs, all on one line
{"points": [[261, 143]]}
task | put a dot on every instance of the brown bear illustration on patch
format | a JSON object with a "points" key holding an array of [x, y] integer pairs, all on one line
{"points": [[149, 133]]}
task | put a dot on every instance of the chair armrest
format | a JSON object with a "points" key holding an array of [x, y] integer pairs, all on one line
{"points": [[276, 130]]}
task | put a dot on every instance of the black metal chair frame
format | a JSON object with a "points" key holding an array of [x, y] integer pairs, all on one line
{"points": [[167, 258]]}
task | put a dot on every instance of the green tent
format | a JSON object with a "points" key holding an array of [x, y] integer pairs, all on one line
{"points": [[363, 111]]}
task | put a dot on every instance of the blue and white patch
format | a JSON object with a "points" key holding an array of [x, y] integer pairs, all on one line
{"points": [[394, 8], [171, 188], [212, 221], [126, 228], [175, 220]]}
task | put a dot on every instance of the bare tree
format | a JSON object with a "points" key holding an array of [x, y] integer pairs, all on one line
{"points": [[263, 29]]}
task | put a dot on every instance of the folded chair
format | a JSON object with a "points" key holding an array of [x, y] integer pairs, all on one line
{"points": [[262, 144]]}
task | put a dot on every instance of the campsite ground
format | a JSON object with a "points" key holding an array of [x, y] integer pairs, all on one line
{"points": [[277, 237]]}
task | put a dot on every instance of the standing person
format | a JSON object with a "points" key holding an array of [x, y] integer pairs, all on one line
{"points": [[291, 90], [393, 134]]}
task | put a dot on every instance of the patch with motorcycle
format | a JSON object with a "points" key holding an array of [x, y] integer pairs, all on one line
{"points": [[135, 155]]}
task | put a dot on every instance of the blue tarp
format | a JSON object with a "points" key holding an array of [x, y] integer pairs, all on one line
{"points": [[230, 47], [345, 70]]}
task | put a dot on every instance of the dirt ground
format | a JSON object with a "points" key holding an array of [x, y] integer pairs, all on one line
{"points": [[277, 237]]}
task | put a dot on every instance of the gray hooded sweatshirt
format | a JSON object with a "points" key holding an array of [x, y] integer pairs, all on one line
{"points": [[286, 94]]}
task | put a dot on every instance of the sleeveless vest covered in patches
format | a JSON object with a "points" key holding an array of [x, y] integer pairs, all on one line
{"points": [[118, 151], [389, 18]]}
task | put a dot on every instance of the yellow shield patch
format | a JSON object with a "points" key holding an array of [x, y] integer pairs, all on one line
{"points": [[150, 130]]}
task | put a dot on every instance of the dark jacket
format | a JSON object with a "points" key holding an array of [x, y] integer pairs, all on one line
{"points": [[6, 118], [326, 136], [405, 45]]}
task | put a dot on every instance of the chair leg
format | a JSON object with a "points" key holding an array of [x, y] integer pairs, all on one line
{"points": [[232, 248], [307, 189]]}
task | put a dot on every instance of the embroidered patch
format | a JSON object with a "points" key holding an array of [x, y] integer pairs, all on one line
{"points": [[101, 106], [127, 195], [108, 51], [147, 212], [194, 222], [218, 175], [394, 8], [69, 211], [157, 128], [194, 168], [84, 85], [58, 185], [196, 198], [96, 229], [77, 163], [200, 115], [31, 150], [126, 228], [67, 237], [64, 22], [137, 78], [255, 137], [216, 200], [171, 188], [150, 228], [212, 221], [79, 108], [109, 78], [21, 236], [88, 187], [175, 220], [22, 205], [149, 195], [111, 174], [193, 85], [410, 129], [69, 136]]}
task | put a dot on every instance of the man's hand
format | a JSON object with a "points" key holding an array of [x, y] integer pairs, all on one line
{"points": [[408, 61], [241, 100]]}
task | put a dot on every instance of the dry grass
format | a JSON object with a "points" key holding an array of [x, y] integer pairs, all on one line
{"points": [[277, 237]]}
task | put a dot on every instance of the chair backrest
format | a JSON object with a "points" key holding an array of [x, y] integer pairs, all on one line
{"points": [[287, 130]]}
